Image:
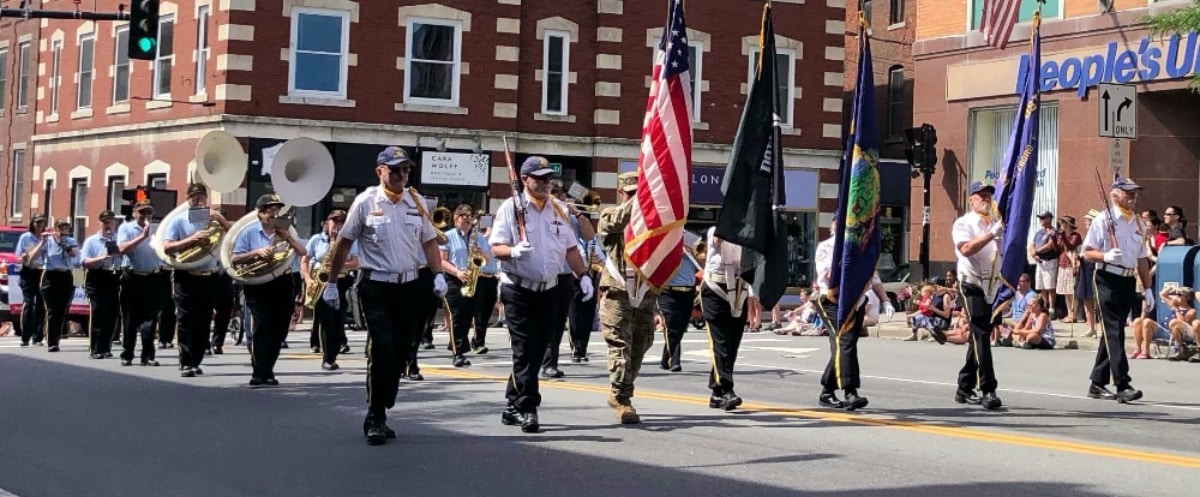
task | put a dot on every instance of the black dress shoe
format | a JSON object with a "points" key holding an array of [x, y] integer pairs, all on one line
{"points": [[329, 366], [387, 430], [715, 401], [24, 344], [208, 352], [480, 350], [53, 348], [197, 370], [990, 401], [552, 373], [1100, 392], [967, 397], [108, 355], [830, 400], [676, 368], [126, 362], [510, 416], [218, 350], [460, 361], [854, 402], [427, 346], [529, 422], [730, 401], [345, 349], [187, 373], [271, 382], [316, 350], [416, 377], [1128, 394], [97, 356], [257, 382], [150, 362], [576, 360], [375, 434]]}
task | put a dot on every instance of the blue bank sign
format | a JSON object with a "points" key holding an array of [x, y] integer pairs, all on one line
{"points": [[1150, 61]]}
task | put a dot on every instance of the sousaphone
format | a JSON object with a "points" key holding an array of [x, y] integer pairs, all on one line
{"points": [[220, 165]]}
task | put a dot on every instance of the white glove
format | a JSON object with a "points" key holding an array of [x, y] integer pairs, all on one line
{"points": [[1112, 256], [998, 229], [520, 250], [330, 294], [888, 310], [439, 285], [1149, 296], [585, 286]]}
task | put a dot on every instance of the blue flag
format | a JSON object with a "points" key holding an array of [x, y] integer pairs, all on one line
{"points": [[1018, 179], [857, 239]]}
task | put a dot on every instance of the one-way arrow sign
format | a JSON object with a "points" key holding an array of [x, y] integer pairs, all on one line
{"points": [[1117, 111]]}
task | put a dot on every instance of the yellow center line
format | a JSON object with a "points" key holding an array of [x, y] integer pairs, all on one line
{"points": [[875, 420]]}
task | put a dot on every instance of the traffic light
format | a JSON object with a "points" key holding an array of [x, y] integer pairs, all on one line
{"points": [[921, 149], [129, 198], [143, 30]]}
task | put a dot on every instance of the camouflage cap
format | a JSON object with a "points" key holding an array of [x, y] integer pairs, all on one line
{"points": [[627, 182]]}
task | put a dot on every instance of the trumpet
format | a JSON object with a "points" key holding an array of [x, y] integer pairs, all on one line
{"points": [[583, 207], [280, 252]]}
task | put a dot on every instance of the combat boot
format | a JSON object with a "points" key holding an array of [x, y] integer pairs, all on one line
{"points": [[626, 414]]}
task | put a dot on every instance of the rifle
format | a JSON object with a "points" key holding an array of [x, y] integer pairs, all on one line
{"points": [[518, 205], [1112, 230]]}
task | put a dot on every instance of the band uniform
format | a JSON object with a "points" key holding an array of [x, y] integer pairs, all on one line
{"points": [[675, 303], [143, 284], [58, 283], [31, 245], [463, 242], [102, 284], [331, 321], [723, 302]]}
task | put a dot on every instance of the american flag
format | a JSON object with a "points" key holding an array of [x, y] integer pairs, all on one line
{"points": [[999, 17], [654, 236]]}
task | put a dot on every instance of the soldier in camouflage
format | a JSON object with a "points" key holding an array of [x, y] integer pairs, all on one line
{"points": [[628, 329]]}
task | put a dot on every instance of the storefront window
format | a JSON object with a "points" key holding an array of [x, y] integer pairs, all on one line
{"points": [[892, 250], [801, 234], [990, 132]]}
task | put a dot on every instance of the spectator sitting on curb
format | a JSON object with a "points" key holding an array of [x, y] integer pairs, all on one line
{"points": [[1036, 329], [1179, 325]]}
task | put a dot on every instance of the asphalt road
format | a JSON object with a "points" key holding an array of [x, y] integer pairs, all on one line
{"points": [[80, 427]]}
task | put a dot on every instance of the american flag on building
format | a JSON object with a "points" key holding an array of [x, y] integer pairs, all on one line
{"points": [[654, 236], [998, 19]]}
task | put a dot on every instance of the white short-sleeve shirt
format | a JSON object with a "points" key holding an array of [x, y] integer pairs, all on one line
{"points": [[389, 236], [977, 269], [824, 267], [1129, 237], [550, 233], [726, 260]]}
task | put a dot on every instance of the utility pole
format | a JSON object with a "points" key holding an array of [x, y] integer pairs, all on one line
{"points": [[921, 152]]}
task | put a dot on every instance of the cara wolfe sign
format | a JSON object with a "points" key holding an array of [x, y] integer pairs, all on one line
{"points": [[1147, 60]]}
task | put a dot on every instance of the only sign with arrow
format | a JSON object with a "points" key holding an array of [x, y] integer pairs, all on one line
{"points": [[1117, 107]]}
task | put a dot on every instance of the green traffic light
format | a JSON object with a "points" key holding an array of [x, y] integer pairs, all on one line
{"points": [[146, 44]]}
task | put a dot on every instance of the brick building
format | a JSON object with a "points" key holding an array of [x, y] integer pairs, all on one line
{"points": [[446, 79], [891, 25], [18, 60], [968, 90]]}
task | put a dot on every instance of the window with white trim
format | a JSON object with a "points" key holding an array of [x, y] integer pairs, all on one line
{"points": [[319, 53], [434, 61], [201, 49], [83, 84], [79, 189], [556, 64], [896, 13], [895, 96], [165, 58], [18, 181], [48, 202], [23, 76], [116, 186], [55, 74], [121, 61], [785, 75], [158, 181]]}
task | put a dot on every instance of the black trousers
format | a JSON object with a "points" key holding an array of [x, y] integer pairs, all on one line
{"points": [[582, 318], [724, 336], [530, 326], [141, 303], [424, 307], [841, 372], [978, 371], [297, 304], [271, 306], [463, 311], [58, 288], [195, 299], [332, 323], [391, 326], [487, 291], [564, 292], [676, 307], [103, 290], [225, 295], [167, 320], [1116, 296], [33, 309]]}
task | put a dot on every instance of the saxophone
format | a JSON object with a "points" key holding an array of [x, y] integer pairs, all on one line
{"points": [[475, 262], [312, 293]]}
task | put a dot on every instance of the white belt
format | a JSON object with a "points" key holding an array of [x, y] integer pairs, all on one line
{"points": [[1115, 269], [386, 277], [739, 293], [634, 288], [537, 286]]}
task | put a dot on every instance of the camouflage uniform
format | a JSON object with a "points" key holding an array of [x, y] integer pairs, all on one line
{"points": [[629, 331]]}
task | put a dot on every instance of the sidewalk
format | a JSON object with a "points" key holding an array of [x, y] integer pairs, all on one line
{"points": [[1065, 333]]}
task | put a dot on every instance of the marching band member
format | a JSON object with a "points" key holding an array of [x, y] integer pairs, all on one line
{"points": [[676, 302], [143, 284], [102, 284], [723, 301], [455, 262], [331, 320], [314, 334], [486, 294], [428, 308], [195, 290], [841, 372], [391, 228], [1114, 243], [582, 313], [271, 303], [58, 285], [226, 296], [529, 272], [976, 236], [582, 229], [32, 247], [626, 321]]}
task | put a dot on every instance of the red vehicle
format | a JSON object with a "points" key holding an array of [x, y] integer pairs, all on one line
{"points": [[8, 259]]}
